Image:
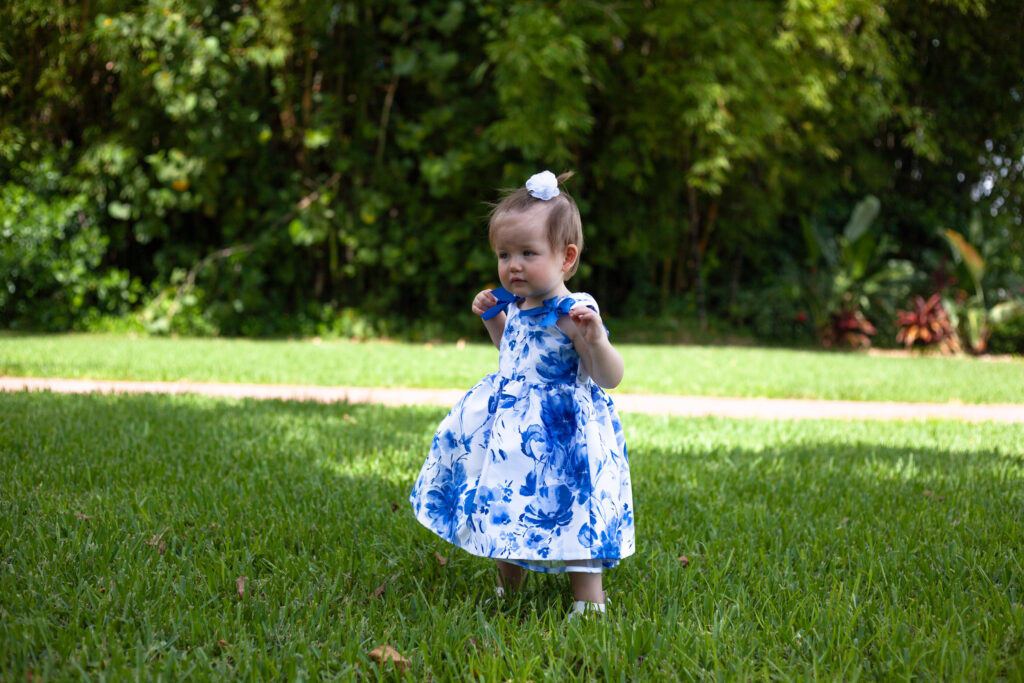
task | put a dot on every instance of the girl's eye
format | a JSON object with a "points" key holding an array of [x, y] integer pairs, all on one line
{"points": [[503, 255], [527, 253]]}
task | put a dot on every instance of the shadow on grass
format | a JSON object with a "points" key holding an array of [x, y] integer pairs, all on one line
{"points": [[339, 475], [252, 476]]}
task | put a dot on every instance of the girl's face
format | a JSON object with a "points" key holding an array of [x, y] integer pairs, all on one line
{"points": [[527, 264]]}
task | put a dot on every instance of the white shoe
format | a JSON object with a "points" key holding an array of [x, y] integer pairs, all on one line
{"points": [[586, 609]]}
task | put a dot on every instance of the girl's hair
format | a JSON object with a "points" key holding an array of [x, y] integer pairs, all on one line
{"points": [[564, 225]]}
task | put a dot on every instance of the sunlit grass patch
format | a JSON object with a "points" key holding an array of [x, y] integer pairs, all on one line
{"points": [[686, 370]]}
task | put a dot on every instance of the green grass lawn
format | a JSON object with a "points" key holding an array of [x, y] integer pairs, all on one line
{"points": [[688, 370], [840, 550]]}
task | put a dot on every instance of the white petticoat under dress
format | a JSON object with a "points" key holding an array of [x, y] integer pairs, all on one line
{"points": [[530, 466]]}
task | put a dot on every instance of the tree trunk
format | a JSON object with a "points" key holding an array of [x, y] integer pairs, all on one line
{"points": [[734, 277], [698, 259], [666, 275]]}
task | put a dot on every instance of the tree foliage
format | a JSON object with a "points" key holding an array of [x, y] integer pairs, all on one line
{"points": [[261, 168]]}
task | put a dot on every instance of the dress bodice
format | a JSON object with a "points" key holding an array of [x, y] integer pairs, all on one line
{"points": [[534, 350]]}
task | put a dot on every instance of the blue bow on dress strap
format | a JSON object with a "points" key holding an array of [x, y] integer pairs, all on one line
{"points": [[505, 298], [552, 309]]}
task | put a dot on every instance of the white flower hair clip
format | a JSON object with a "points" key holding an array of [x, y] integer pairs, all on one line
{"points": [[543, 185]]}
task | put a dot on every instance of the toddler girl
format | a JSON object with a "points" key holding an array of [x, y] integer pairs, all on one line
{"points": [[530, 466]]}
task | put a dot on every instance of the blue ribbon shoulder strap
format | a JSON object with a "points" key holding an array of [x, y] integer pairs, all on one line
{"points": [[579, 298], [552, 309], [505, 298]]}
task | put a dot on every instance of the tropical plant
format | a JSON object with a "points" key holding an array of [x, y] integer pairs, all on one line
{"points": [[848, 329], [976, 313], [927, 324], [849, 274]]}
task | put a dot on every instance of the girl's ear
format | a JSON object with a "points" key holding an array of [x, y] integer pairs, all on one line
{"points": [[572, 252]]}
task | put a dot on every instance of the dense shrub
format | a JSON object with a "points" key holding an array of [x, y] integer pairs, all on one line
{"points": [[52, 250]]}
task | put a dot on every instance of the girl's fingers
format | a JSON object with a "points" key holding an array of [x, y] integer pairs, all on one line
{"points": [[582, 314], [588, 320], [483, 301]]}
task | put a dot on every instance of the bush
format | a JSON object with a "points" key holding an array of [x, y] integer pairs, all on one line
{"points": [[775, 314], [51, 253], [1008, 337]]}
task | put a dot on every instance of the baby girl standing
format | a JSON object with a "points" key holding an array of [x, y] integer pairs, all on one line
{"points": [[530, 466]]}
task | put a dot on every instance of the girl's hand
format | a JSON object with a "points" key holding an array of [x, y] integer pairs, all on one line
{"points": [[589, 323], [483, 301], [600, 359]]}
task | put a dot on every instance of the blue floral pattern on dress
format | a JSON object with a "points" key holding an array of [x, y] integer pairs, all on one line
{"points": [[530, 466]]}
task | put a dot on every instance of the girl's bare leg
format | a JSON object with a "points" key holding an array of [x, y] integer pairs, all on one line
{"points": [[510, 576], [586, 587]]}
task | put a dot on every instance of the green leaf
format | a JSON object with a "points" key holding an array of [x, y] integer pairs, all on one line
{"points": [[862, 217], [968, 254], [858, 255], [316, 138], [977, 324], [812, 241], [119, 210], [404, 62], [301, 234]]}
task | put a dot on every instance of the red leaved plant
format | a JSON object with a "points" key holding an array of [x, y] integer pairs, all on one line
{"points": [[927, 324], [848, 329]]}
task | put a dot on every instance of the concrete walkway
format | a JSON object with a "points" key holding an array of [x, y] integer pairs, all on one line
{"points": [[689, 406]]}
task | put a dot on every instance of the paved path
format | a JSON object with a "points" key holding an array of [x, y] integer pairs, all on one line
{"points": [[692, 406]]}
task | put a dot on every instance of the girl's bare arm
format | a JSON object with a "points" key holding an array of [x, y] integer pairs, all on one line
{"points": [[496, 325], [602, 361]]}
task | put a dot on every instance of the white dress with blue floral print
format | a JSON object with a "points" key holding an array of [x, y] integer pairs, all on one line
{"points": [[530, 466]]}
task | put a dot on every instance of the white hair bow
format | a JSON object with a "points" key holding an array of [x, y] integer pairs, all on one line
{"points": [[543, 185]]}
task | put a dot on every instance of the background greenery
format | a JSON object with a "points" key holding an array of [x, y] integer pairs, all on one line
{"points": [[322, 166]]}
